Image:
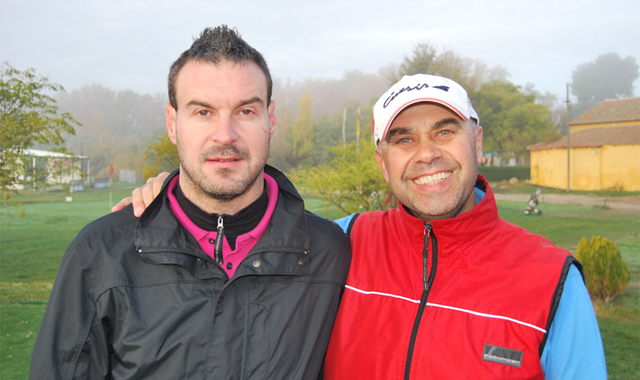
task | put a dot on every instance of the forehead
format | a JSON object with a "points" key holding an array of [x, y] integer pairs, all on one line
{"points": [[423, 114], [225, 80]]}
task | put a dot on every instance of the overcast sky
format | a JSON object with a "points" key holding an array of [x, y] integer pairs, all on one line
{"points": [[130, 44]]}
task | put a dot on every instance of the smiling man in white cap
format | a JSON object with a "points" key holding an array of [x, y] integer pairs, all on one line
{"points": [[441, 287], [428, 145]]}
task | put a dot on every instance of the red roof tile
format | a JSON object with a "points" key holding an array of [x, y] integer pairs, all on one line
{"points": [[611, 111], [596, 137]]}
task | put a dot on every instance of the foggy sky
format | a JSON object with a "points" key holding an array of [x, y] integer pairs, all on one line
{"points": [[125, 44]]}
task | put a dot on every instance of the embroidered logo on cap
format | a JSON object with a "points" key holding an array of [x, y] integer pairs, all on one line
{"points": [[418, 86], [502, 355]]}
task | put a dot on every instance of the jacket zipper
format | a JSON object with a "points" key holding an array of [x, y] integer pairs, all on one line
{"points": [[217, 250], [427, 281]]}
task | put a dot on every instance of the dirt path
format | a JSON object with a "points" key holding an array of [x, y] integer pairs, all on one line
{"points": [[627, 205]]}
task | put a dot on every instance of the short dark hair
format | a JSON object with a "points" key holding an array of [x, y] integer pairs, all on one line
{"points": [[214, 46]]}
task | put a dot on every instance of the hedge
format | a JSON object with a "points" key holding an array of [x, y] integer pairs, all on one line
{"points": [[502, 173]]}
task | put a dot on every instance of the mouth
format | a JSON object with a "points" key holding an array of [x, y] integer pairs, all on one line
{"points": [[223, 162], [432, 179], [224, 159]]}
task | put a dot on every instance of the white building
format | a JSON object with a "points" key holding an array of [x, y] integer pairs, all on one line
{"points": [[45, 168]]}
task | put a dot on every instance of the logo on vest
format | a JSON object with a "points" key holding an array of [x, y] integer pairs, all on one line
{"points": [[502, 355]]}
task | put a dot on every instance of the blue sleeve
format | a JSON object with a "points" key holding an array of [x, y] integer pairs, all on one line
{"points": [[479, 195], [574, 346], [344, 222]]}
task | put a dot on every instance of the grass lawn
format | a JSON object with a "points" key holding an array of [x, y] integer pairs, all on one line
{"points": [[619, 322], [31, 248]]}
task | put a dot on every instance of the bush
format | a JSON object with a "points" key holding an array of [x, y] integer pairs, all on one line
{"points": [[504, 173], [605, 273]]}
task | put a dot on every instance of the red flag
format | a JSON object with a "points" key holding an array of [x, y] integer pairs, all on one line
{"points": [[110, 170]]}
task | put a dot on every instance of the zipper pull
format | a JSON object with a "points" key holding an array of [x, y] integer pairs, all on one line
{"points": [[425, 256], [427, 230], [217, 251]]}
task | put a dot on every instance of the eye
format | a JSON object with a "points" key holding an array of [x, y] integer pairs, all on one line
{"points": [[203, 113], [246, 112], [401, 140]]}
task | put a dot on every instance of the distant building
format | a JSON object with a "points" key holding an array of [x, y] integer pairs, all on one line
{"points": [[45, 169], [128, 176], [604, 154]]}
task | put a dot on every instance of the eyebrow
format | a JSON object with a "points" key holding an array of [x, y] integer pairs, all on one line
{"points": [[199, 103], [255, 99], [397, 131], [446, 122]]}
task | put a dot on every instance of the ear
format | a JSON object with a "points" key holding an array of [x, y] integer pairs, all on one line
{"points": [[382, 164], [171, 115], [272, 118], [479, 155]]}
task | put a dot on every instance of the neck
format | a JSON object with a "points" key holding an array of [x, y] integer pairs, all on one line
{"points": [[215, 205], [234, 225]]}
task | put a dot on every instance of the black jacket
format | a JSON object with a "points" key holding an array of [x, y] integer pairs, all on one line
{"points": [[138, 299]]}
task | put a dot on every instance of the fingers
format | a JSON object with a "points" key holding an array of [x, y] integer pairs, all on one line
{"points": [[147, 192], [122, 204], [138, 201], [143, 196], [157, 184]]}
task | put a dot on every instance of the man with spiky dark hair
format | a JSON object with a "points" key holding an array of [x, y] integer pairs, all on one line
{"points": [[225, 275], [213, 46]]}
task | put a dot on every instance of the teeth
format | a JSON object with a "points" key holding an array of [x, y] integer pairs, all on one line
{"points": [[432, 179]]}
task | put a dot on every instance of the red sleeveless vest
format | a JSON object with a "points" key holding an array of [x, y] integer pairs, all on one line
{"points": [[471, 297]]}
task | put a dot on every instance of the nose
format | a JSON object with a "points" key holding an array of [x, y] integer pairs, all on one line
{"points": [[224, 131], [427, 151]]}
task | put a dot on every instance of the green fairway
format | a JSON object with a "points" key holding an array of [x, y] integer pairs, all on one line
{"points": [[31, 248]]}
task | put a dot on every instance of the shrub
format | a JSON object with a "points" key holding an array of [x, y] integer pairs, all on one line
{"points": [[504, 173], [605, 273]]}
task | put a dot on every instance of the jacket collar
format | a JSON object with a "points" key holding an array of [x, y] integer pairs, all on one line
{"points": [[158, 230], [288, 228]]}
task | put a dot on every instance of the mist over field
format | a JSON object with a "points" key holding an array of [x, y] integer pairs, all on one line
{"points": [[113, 58]]}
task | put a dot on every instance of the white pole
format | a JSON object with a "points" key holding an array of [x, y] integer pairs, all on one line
{"points": [[344, 121]]}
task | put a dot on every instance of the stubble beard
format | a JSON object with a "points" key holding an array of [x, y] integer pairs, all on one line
{"points": [[224, 187], [426, 208]]}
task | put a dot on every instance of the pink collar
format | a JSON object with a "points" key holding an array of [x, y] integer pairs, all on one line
{"points": [[244, 243]]}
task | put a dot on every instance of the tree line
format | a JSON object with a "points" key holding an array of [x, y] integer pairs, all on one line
{"points": [[317, 119]]}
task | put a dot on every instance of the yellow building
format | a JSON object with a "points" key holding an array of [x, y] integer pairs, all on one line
{"points": [[604, 154]]}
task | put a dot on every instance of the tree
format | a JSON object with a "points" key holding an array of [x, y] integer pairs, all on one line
{"points": [[327, 133], [422, 61], [511, 119], [302, 134], [469, 73], [608, 77], [352, 182], [162, 157], [279, 146], [28, 116], [117, 125]]}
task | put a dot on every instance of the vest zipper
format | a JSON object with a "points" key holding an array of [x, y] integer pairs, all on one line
{"points": [[217, 250], [427, 281]]}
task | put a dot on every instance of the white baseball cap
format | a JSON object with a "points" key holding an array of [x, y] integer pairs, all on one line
{"points": [[418, 88]]}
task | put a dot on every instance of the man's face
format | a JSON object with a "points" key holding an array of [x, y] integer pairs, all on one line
{"points": [[430, 157], [222, 129]]}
